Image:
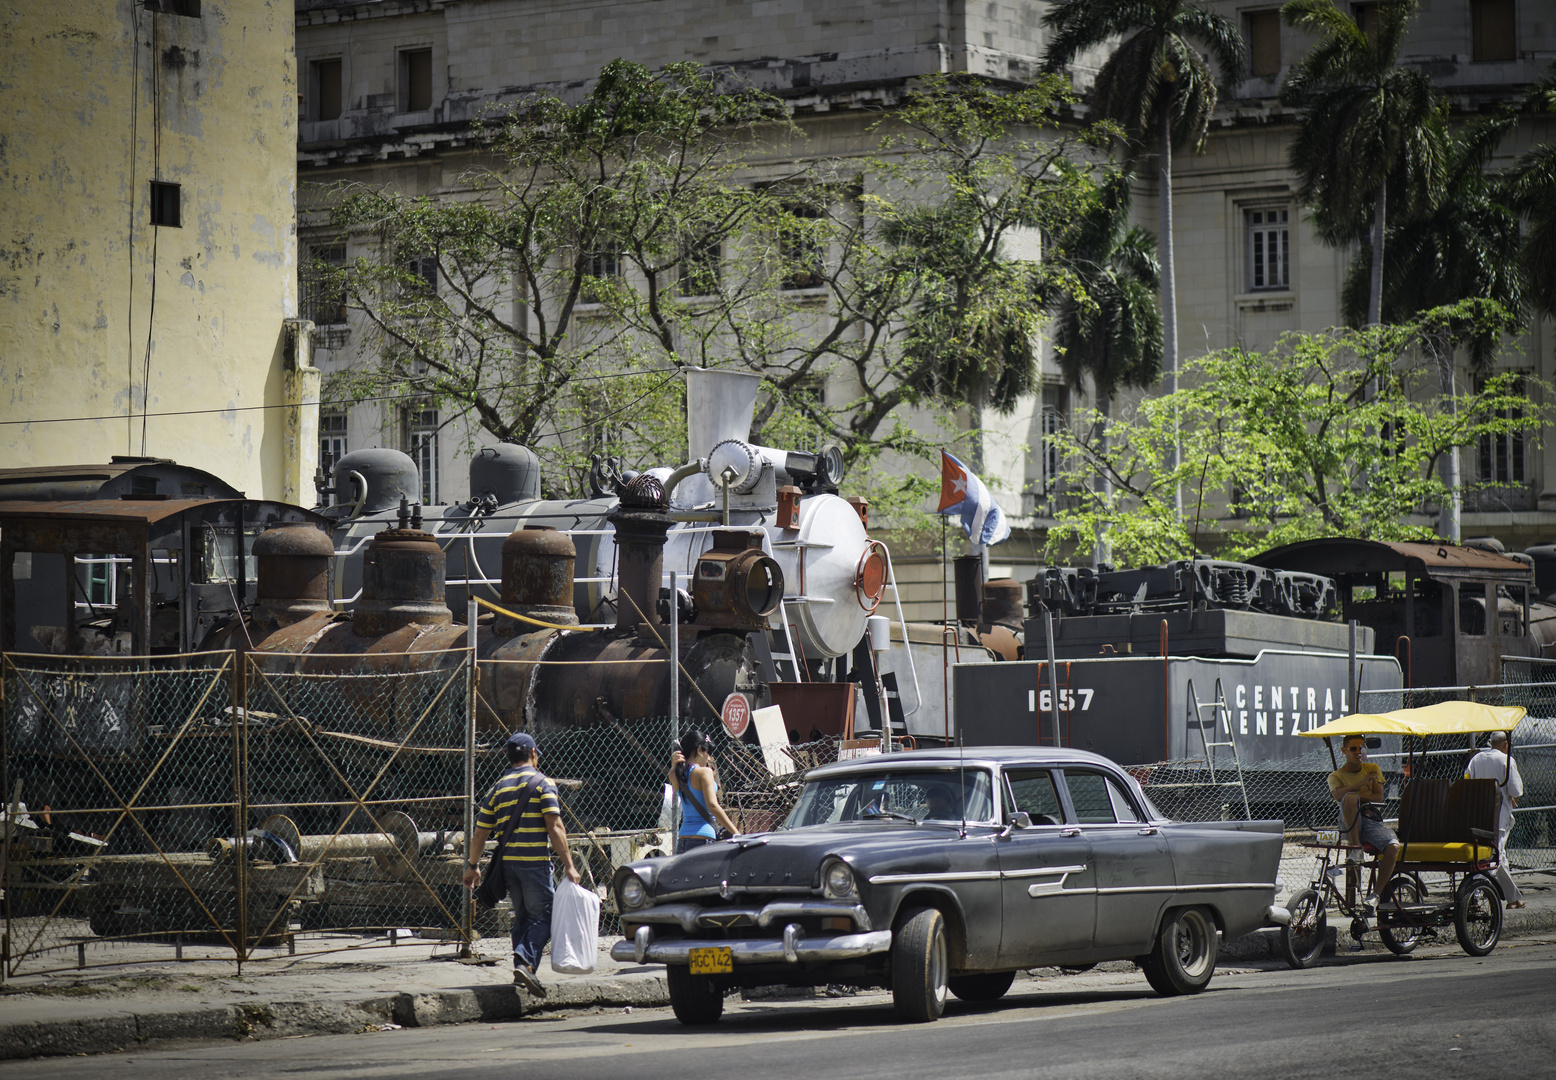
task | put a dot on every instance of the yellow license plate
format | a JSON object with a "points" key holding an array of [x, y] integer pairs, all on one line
{"points": [[715, 960]]}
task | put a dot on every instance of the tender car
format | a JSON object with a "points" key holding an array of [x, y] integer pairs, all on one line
{"points": [[938, 871]]}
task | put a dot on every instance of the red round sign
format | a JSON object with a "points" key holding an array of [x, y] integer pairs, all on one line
{"points": [[736, 714]]}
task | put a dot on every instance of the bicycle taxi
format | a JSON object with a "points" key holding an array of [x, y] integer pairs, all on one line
{"points": [[1448, 829]]}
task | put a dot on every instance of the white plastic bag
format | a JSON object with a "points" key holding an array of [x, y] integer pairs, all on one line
{"points": [[575, 929]]}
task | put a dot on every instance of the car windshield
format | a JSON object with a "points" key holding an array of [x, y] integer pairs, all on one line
{"points": [[895, 794]]}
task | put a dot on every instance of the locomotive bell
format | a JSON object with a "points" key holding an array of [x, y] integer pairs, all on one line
{"points": [[735, 584], [402, 581], [537, 579]]}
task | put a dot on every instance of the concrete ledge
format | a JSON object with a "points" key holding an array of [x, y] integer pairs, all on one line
{"points": [[73, 1036]]}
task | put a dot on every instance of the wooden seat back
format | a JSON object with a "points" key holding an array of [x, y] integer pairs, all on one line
{"points": [[1423, 810]]}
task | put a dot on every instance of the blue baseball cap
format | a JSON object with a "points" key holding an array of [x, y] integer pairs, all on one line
{"points": [[522, 740]]}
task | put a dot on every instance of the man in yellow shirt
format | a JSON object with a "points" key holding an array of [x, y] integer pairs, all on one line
{"points": [[1358, 787]]}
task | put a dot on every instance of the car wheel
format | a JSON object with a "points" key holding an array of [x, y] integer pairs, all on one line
{"points": [[918, 966], [988, 986], [1302, 939], [1404, 889], [1184, 956], [696, 999], [1477, 916]]}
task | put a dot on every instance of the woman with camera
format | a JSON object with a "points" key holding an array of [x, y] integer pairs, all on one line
{"points": [[703, 820]]}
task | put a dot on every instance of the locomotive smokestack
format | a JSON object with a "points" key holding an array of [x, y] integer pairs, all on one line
{"points": [[294, 574], [402, 582], [641, 525], [537, 579]]}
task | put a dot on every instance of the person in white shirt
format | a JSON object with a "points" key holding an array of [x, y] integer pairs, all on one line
{"points": [[1493, 763]]}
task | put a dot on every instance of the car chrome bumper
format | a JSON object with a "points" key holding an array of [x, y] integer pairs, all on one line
{"points": [[692, 917], [793, 948]]}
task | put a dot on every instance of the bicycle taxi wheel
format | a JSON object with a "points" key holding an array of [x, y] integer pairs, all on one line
{"points": [[1477, 915], [1404, 889], [1302, 939]]}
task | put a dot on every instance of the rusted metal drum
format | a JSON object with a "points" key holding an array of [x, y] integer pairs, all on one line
{"points": [[294, 561], [402, 583], [537, 579], [1002, 603]]}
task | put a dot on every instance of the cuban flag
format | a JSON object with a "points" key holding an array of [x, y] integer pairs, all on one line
{"points": [[963, 493]]}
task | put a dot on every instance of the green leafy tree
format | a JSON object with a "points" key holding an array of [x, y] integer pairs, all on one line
{"points": [[1462, 244], [554, 295], [1369, 129], [1159, 85], [615, 240], [1334, 434]]}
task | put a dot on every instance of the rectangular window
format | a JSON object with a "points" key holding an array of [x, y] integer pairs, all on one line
{"points": [[603, 267], [700, 268], [1503, 457], [167, 205], [327, 94], [332, 442], [422, 445], [1056, 404], [1269, 248], [189, 8], [324, 297], [1263, 43], [424, 276], [1366, 16], [800, 248], [1491, 30], [415, 80]]}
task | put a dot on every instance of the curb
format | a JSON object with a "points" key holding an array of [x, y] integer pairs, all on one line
{"points": [[287, 1019]]}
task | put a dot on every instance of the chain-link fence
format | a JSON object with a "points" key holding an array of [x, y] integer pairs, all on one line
{"points": [[231, 806]]}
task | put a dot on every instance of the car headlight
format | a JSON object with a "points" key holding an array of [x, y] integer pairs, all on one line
{"points": [[632, 893], [837, 880]]}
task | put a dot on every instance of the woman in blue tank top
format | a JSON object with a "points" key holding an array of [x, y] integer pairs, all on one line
{"points": [[696, 776]]}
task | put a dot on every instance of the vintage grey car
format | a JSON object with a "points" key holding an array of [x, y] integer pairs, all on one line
{"points": [[938, 871]]}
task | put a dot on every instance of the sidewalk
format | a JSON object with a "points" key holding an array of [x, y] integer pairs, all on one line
{"points": [[368, 985]]}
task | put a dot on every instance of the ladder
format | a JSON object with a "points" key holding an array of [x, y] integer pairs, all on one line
{"points": [[794, 657], [1222, 738]]}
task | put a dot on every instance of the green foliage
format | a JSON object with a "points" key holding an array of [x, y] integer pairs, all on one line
{"points": [[1365, 120], [1531, 188], [1333, 434], [1157, 66], [1461, 244]]}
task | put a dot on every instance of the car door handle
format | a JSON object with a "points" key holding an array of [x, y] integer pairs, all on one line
{"points": [[1149, 830], [1069, 832]]}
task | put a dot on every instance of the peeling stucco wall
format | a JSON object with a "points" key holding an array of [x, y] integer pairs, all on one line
{"points": [[117, 336]]}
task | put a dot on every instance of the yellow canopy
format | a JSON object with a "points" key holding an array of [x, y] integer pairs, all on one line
{"points": [[1444, 718]]}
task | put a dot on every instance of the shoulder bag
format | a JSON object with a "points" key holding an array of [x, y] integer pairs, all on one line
{"points": [[691, 796], [492, 889]]}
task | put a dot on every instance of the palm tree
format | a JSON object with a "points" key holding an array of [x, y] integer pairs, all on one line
{"points": [[1159, 86], [1113, 334], [1364, 120], [1532, 191], [1463, 244]]}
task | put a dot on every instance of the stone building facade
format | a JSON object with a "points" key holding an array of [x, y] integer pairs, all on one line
{"points": [[388, 91]]}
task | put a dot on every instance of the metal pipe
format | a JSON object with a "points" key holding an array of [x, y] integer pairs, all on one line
{"points": [[1053, 672], [675, 659], [466, 908]]}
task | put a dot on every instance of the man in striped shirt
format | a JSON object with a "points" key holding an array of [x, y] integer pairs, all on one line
{"points": [[528, 800]]}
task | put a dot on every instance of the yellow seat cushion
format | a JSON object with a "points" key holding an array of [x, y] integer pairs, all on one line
{"points": [[1429, 852]]}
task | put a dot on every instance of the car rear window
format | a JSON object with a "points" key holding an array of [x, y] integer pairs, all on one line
{"points": [[1097, 800]]}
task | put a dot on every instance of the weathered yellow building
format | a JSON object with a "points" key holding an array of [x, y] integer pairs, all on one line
{"points": [[148, 262]]}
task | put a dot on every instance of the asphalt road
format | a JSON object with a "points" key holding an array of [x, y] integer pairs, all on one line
{"points": [[1439, 1013]]}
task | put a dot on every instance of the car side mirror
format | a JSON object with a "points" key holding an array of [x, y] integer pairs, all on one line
{"points": [[1019, 820]]}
